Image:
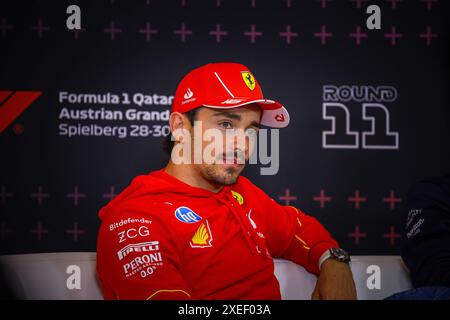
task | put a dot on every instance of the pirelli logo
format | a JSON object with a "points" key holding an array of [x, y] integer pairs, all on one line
{"points": [[138, 247]]}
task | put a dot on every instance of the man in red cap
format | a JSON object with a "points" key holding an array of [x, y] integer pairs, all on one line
{"points": [[199, 230]]}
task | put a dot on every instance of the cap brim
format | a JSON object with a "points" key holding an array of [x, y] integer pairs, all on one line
{"points": [[273, 113]]}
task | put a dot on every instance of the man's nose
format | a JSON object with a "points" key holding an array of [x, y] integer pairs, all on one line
{"points": [[240, 141], [242, 146]]}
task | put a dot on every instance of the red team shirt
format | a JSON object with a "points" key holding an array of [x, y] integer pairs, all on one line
{"points": [[161, 238]]}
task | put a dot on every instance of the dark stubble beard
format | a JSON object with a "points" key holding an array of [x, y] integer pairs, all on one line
{"points": [[226, 177]]}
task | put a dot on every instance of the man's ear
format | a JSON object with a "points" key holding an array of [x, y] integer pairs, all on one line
{"points": [[177, 123]]}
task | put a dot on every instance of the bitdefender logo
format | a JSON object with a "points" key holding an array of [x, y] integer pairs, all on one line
{"points": [[13, 104]]}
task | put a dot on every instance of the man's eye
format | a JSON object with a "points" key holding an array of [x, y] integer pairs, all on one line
{"points": [[226, 125]]}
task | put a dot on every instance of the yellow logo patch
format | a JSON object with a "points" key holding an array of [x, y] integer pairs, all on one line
{"points": [[239, 198], [202, 238], [248, 79]]}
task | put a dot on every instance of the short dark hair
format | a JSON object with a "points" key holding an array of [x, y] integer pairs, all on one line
{"points": [[168, 143]]}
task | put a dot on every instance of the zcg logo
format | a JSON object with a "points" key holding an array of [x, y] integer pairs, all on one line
{"points": [[133, 233]]}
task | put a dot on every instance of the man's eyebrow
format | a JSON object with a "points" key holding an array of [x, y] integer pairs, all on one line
{"points": [[228, 115], [235, 116]]}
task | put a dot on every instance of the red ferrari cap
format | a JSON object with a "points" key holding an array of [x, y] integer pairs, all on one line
{"points": [[226, 85]]}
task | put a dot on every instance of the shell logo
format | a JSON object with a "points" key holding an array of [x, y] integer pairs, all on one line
{"points": [[202, 238]]}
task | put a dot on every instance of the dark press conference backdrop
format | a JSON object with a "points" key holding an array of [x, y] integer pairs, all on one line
{"points": [[83, 112]]}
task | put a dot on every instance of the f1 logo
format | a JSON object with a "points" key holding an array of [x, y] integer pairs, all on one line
{"points": [[13, 104]]}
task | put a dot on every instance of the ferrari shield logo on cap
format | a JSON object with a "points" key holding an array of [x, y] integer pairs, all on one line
{"points": [[248, 79]]}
